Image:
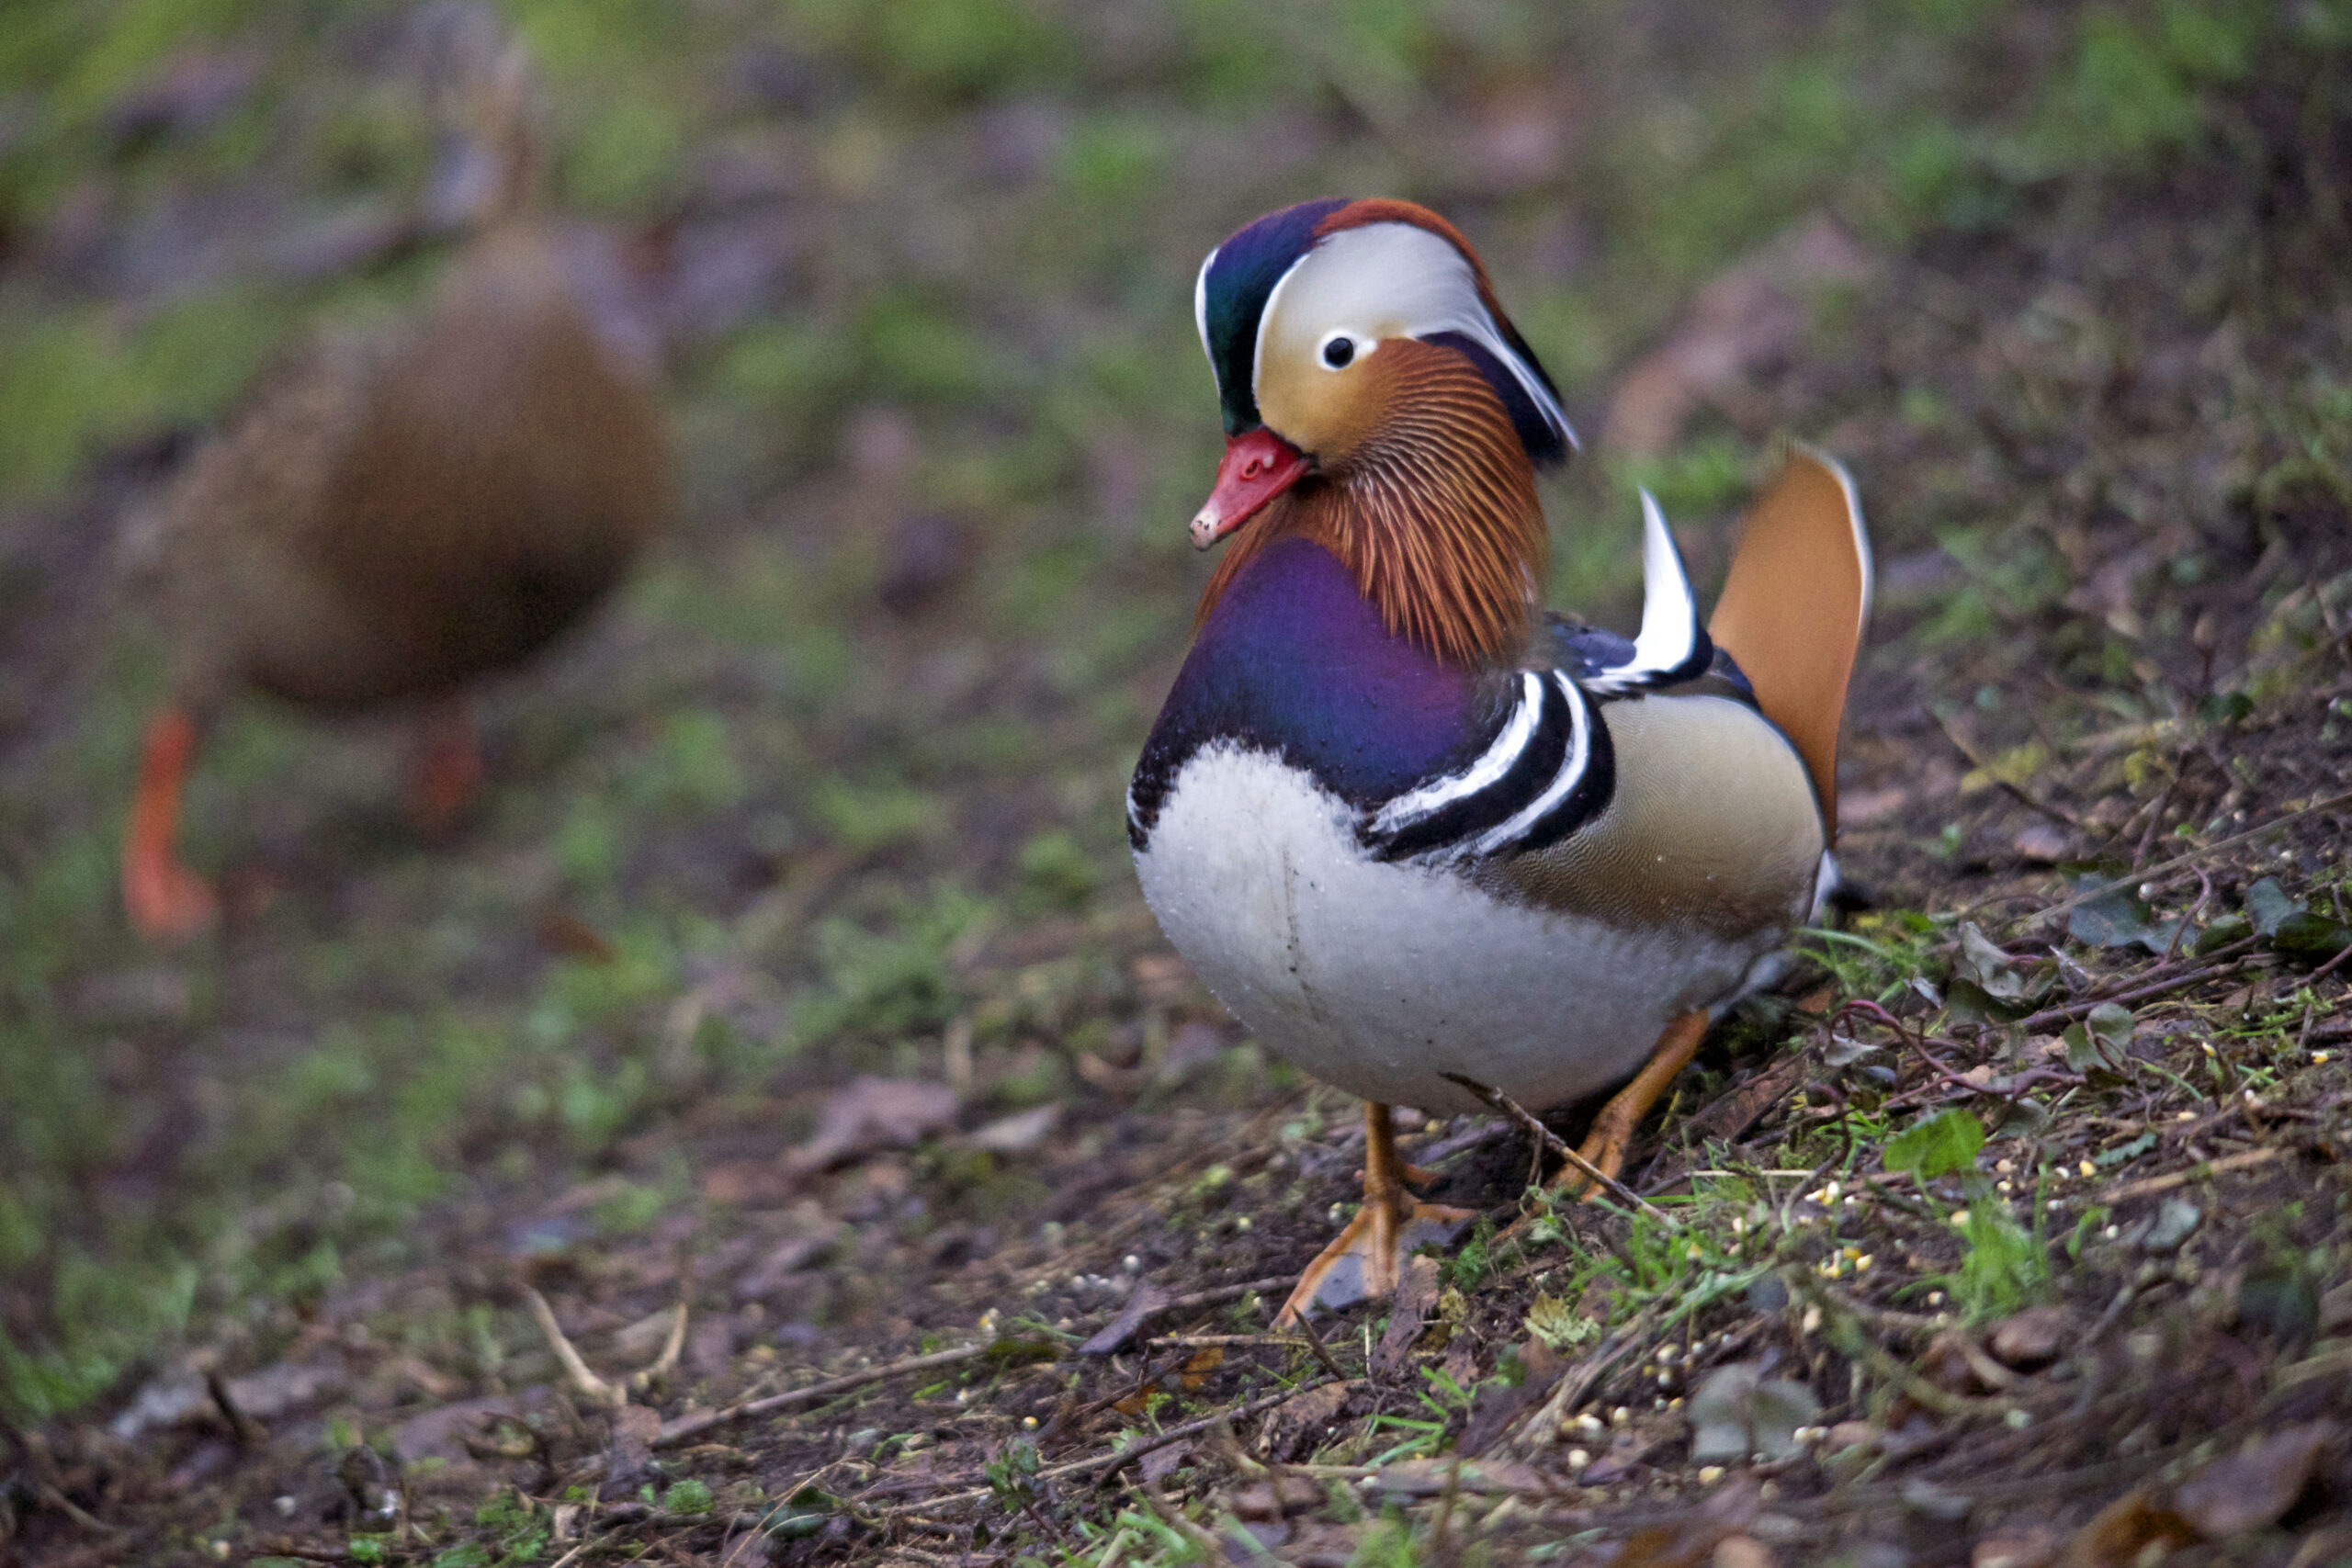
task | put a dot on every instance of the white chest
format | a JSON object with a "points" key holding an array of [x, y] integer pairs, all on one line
{"points": [[1381, 977]]}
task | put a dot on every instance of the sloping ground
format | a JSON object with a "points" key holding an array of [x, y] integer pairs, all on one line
{"points": [[795, 978]]}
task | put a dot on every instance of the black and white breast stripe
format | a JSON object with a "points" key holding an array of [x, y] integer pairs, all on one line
{"points": [[1549, 770], [1672, 647]]}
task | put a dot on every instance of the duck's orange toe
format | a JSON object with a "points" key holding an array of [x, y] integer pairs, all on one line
{"points": [[167, 901], [447, 777]]}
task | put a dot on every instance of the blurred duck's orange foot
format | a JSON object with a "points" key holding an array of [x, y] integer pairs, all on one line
{"points": [[447, 776], [167, 901], [1612, 1130], [1366, 1259]]}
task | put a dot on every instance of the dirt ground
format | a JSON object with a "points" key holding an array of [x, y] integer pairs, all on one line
{"points": [[786, 1039]]}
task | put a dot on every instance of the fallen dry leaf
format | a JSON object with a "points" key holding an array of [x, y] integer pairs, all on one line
{"points": [[2255, 1487], [1754, 311], [1019, 1132], [1143, 1302], [2032, 1340], [1692, 1539], [1741, 1552], [2123, 1529], [1417, 1294], [1300, 1423], [2030, 1548], [870, 1114]]}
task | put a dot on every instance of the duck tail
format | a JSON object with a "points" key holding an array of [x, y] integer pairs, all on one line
{"points": [[1795, 607]]}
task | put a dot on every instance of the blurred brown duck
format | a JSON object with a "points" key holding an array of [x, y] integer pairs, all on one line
{"points": [[393, 518]]}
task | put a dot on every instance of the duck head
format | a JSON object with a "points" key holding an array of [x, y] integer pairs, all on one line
{"points": [[1377, 397]]}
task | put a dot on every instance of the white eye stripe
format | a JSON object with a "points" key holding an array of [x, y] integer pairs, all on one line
{"points": [[1201, 307], [1412, 281]]}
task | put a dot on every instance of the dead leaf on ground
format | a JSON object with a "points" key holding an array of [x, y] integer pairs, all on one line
{"points": [[1297, 1424], [2032, 1340], [1277, 1497], [2123, 1529], [1143, 1302], [789, 1258], [1159, 1464], [1688, 1542], [870, 1114], [1754, 311], [1188, 1377], [441, 1434], [2255, 1487], [1433, 1477], [2033, 1547], [1740, 1551], [1417, 1294], [629, 1455], [1019, 1132]]}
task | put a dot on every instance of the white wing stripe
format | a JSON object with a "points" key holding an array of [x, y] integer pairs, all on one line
{"points": [[1572, 767], [1499, 759]]}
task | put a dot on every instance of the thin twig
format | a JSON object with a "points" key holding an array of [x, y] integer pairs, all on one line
{"points": [[672, 1345], [2333, 803], [1111, 1465], [1315, 1343], [2330, 967], [248, 1433], [2166, 1183], [1984, 765], [686, 1426], [2153, 984], [1497, 1101], [594, 1389], [2178, 981]]}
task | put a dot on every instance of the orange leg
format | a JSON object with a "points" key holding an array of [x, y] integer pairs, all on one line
{"points": [[447, 771], [1367, 1258], [1612, 1130], [165, 900]]}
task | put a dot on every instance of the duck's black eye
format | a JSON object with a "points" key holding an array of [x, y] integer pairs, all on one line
{"points": [[1339, 351]]}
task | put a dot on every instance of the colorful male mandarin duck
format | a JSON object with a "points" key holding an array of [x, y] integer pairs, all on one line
{"points": [[1409, 826], [396, 515]]}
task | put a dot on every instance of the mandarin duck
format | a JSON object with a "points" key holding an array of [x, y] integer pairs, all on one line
{"points": [[1407, 825], [398, 513]]}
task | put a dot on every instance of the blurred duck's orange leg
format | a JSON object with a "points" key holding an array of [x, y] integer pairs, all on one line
{"points": [[165, 900], [1366, 1259], [447, 773], [1612, 1130]]}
